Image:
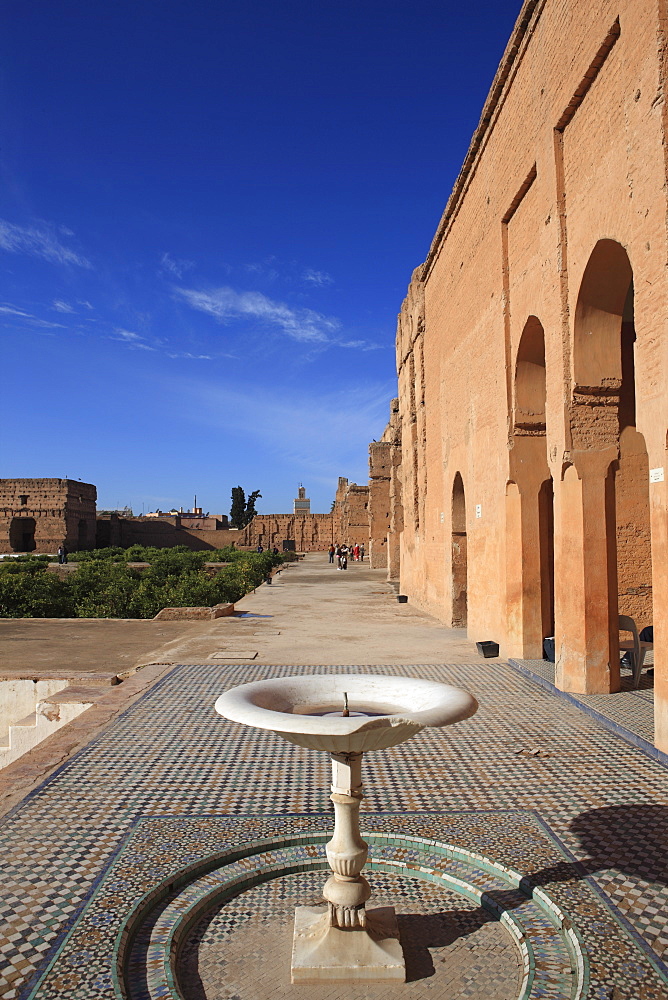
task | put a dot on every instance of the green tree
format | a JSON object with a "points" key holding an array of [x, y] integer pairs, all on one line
{"points": [[250, 506], [238, 509], [243, 511]]}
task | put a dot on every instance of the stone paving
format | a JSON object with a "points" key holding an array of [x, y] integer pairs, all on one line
{"points": [[526, 762]]}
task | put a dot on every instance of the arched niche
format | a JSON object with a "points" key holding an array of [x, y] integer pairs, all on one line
{"points": [[607, 279], [530, 387], [612, 461]]}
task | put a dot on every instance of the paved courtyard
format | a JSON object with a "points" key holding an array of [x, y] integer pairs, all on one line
{"points": [[525, 849]]}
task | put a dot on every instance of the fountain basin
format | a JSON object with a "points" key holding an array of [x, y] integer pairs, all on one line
{"points": [[385, 710]]}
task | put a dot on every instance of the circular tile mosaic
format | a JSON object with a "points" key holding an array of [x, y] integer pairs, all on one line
{"points": [[223, 929], [452, 947]]}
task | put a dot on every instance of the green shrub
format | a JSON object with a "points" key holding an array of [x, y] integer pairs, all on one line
{"points": [[34, 595], [23, 566], [104, 586]]}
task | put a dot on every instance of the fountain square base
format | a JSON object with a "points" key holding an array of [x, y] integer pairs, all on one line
{"points": [[321, 953]]}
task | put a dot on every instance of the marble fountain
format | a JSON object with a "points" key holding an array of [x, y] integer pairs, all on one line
{"points": [[346, 716]]}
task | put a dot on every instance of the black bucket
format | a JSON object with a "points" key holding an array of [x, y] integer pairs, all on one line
{"points": [[402, 599], [488, 649]]}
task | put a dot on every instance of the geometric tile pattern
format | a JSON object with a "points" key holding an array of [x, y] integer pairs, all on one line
{"points": [[628, 708], [195, 864], [171, 755]]}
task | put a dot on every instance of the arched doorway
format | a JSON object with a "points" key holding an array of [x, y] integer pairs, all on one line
{"points": [[608, 501], [459, 558], [529, 504], [22, 534]]}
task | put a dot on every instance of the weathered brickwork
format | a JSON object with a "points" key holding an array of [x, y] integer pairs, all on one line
{"points": [[38, 515], [532, 357], [162, 532], [63, 510], [309, 532], [385, 507], [351, 514]]}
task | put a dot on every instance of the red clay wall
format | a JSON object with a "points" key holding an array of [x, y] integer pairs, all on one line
{"points": [[570, 152], [63, 510]]}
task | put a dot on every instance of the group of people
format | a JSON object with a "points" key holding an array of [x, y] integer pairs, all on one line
{"points": [[341, 554]]}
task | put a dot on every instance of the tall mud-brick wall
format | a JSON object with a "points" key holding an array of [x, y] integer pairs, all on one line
{"points": [[309, 532], [38, 515], [162, 532], [380, 464], [385, 497], [351, 514]]}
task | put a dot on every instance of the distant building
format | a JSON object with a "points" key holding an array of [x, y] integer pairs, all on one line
{"points": [[302, 503], [38, 515]]}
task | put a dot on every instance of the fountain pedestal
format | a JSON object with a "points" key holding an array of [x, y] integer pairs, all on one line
{"points": [[345, 940]]}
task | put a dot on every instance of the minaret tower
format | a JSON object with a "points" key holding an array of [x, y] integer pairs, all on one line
{"points": [[302, 503]]}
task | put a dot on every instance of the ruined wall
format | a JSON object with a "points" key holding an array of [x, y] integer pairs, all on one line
{"points": [[380, 464], [161, 532], [385, 497], [38, 515], [351, 514], [310, 532], [565, 180]]}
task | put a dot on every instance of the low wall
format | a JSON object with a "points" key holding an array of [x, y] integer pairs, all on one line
{"points": [[194, 614]]}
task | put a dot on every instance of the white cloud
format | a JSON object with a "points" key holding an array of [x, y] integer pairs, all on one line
{"points": [[84, 303], [133, 340], [360, 345], [318, 278], [14, 312], [333, 438], [175, 266], [127, 335], [26, 317], [62, 307], [303, 325], [193, 357], [38, 242]]}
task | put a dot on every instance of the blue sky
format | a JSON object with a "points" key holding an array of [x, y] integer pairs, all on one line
{"points": [[209, 216]]}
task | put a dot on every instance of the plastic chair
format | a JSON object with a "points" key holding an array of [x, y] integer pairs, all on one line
{"points": [[636, 647]]}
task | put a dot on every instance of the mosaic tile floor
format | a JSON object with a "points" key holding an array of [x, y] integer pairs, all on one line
{"points": [[171, 756], [629, 709]]}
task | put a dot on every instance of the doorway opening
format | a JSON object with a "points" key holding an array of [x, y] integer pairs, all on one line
{"points": [[459, 556], [22, 534]]}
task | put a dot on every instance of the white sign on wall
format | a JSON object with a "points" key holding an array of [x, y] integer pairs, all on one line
{"points": [[656, 475], [478, 510]]}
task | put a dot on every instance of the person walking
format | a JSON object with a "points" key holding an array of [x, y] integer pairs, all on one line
{"points": [[62, 554], [356, 552], [362, 552], [344, 558], [332, 550]]}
